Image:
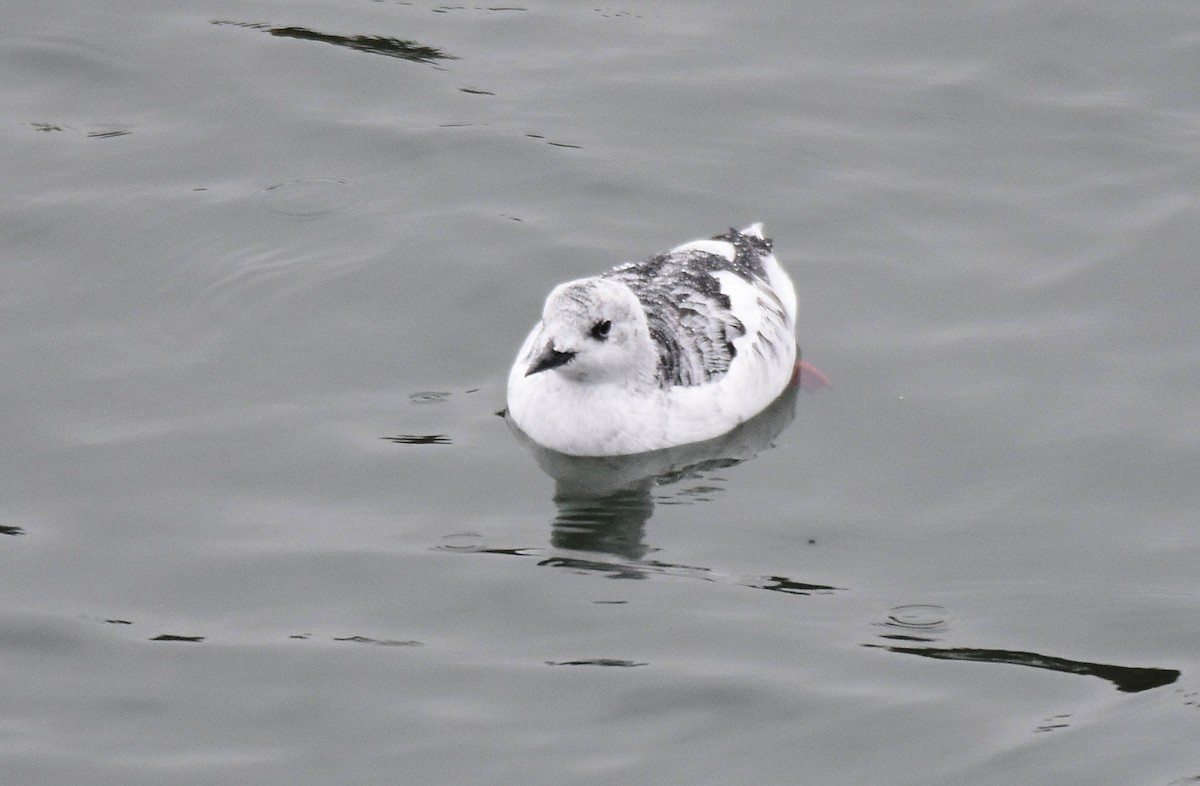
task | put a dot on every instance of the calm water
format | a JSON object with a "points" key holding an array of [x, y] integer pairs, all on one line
{"points": [[266, 265]]}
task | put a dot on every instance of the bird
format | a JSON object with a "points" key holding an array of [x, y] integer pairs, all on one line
{"points": [[679, 348]]}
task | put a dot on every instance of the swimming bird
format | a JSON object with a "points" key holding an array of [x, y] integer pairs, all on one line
{"points": [[680, 348]]}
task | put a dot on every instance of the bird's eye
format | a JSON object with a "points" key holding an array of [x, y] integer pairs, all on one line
{"points": [[600, 330]]}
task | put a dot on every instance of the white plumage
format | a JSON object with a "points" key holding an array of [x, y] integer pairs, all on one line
{"points": [[680, 348]]}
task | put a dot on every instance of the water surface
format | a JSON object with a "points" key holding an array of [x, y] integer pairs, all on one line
{"points": [[266, 265]]}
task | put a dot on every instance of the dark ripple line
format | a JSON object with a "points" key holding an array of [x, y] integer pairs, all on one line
{"points": [[419, 439], [371, 44], [629, 664], [1127, 679], [642, 570]]}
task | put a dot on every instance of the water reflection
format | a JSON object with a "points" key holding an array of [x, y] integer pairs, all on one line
{"points": [[372, 44], [612, 523], [597, 662], [419, 439], [924, 624], [603, 503], [1127, 679]]}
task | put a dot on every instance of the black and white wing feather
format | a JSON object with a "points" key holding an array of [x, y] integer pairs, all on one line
{"points": [[692, 321]]}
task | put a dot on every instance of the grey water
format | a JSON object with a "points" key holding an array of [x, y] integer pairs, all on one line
{"points": [[265, 266]]}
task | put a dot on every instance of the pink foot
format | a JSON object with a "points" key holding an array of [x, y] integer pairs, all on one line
{"points": [[808, 376]]}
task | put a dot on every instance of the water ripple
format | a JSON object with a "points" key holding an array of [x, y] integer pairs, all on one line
{"points": [[309, 197], [919, 617], [429, 397], [462, 542]]}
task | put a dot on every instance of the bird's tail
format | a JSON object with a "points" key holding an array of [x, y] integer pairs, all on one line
{"points": [[754, 230]]}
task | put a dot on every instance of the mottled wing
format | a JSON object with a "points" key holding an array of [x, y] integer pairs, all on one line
{"points": [[691, 320], [689, 317], [769, 319]]}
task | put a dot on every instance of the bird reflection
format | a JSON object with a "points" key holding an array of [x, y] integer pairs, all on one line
{"points": [[612, 523], [604, 502]]}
